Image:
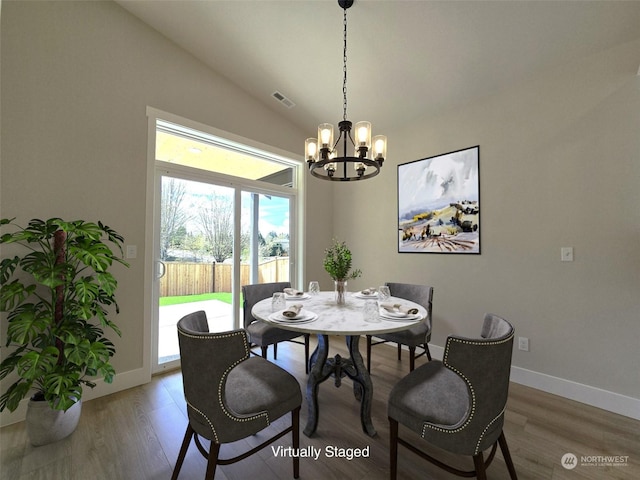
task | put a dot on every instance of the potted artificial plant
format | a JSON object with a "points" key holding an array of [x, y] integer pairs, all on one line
{"points": [[337, 263], [58, 295]]}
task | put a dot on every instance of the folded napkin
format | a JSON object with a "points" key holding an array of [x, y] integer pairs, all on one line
{"points": [[292, 311], [368, 291], [292, 292], [396, 307]]}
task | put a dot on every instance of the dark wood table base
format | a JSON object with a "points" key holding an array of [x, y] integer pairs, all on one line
{"points": [[353, 367]]}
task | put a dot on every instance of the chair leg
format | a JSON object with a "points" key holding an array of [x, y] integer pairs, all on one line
{"points": [[399, 351], [393, 449], [412, 358], [275, 351], [306, 353], [426, 350], [369, 353], [478, 462], [264, 351], [212, 461], [188, 435], [295, 440], [507, 456]]}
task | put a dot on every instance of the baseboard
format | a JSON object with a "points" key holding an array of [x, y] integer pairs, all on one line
{"points": [[596, 397], [122, 381]]}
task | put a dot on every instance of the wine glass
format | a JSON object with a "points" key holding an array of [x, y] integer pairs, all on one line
{"points": [[314, 288], [278, 302], [370, 311], [383, 294]]}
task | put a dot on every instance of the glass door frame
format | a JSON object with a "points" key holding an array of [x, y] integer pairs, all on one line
{"points": [[156, 169]]}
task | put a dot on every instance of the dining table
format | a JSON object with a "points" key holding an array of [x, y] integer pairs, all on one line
{"points": [[322, 315]]}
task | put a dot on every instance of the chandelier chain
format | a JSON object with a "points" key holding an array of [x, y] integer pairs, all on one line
{"points": [[344, 69]]}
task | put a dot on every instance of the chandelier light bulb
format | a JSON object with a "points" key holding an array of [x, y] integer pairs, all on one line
{"points": [[311, 149], [325, 135], [362, 135]]}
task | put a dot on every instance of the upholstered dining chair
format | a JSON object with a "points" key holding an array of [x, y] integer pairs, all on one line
{"points": [[458, 404], [415, 336], [230, 394], [263, 334]]}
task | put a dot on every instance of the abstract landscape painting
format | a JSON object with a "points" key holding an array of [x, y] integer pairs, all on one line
{"points": [[439, 204]]}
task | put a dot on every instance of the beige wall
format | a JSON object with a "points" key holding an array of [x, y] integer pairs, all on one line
{"points": [[559, 166], [558, 161], [77, 78]]}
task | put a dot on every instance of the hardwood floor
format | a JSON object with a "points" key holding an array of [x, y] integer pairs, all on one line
{"points": [[136, 434]]}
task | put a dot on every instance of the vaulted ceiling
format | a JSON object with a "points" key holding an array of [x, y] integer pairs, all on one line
{"points": [[406, 59]]}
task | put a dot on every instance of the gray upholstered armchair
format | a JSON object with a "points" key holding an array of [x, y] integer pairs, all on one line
{"points": [[262, 333], [230, 394], [458, 404], [415, 336]]}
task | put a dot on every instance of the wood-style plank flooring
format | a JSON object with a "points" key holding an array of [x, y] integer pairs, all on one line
{"points": [[136, 435]]}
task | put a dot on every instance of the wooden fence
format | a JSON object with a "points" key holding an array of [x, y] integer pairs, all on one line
{"points": [[190, 278]]}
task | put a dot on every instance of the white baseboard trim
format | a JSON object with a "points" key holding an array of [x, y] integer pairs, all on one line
{"points": [[121, 381], [596, 397]]}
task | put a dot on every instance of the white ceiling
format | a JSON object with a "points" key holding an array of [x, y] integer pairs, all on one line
{"points": [[406, 59]]}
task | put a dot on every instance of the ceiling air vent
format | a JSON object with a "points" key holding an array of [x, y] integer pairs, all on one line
{"points": [[283, 100]]}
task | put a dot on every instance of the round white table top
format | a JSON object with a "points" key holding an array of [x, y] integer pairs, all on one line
{"points": [[334, 319]]}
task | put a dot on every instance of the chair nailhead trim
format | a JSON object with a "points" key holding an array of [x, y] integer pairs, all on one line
{"points": [[487, 428], [473, 396], [223, 378], [213, 430]]}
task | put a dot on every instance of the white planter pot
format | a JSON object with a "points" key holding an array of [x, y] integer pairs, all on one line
{"points": [[45, 425]]}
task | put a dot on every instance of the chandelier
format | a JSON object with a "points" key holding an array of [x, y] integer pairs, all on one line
{"points": [[331, 161]]}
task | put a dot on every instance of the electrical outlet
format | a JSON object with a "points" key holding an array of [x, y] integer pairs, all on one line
{"points": [[132, 251], [523, 344]]}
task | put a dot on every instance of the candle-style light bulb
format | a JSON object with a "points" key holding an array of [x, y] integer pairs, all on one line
{"points": [[379, 147], [325, 135], [362, 135], [312, 150]]}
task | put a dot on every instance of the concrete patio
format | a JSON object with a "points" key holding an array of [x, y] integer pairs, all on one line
{"points": [[219, 315]]}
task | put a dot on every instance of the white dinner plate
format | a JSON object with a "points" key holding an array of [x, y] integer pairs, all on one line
{"points": [[303, 317], [304, 296], [398, 315], [362, 295]]}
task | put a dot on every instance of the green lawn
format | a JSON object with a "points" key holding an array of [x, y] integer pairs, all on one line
{"points": [[222, 296]]}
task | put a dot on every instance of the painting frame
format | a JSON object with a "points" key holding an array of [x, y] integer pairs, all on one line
{"points": [[439, 204]]}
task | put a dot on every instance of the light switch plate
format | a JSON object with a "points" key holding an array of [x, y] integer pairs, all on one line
{"points": [[132, 251], [566, 254]]}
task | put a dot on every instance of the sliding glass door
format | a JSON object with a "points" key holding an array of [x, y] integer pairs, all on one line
{"points": [[196, 258], [214, 233]]}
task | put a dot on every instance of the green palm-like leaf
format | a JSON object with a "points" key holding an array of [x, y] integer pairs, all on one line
{"points": [[93, 254], [13, 294], [87, 290], [7, 267], [14, 394], [26, 323], [44, 270], [79, 228], [62, 389], [8, 365], [107, 282], [36, 365]]}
